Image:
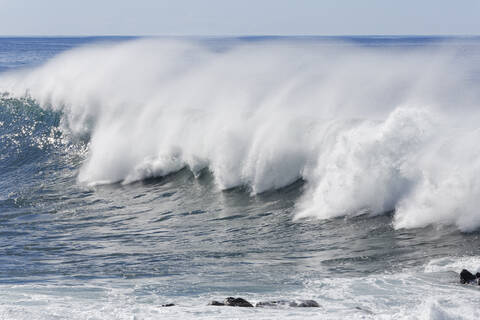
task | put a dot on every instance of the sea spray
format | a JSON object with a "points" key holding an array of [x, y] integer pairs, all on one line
{"points": [[369, 129]]}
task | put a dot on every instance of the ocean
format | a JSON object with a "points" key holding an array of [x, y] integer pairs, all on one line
{"points": [[138, 172]]}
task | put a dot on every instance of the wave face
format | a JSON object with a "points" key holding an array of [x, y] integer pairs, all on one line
{"points": [[371, 129]]}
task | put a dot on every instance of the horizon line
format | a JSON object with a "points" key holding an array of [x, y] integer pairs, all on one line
{"points": [[236, 35]]}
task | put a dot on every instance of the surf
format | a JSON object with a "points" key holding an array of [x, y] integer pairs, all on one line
{"points": [[369, 129]]}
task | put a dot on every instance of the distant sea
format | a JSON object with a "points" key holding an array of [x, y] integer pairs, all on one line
{"points": [[138, 172]]}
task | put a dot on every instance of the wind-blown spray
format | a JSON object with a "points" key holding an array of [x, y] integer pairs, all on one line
{"points": [[369, 129]]}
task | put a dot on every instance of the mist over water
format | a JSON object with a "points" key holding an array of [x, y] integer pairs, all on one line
{"points": [[369, 129], [138, 172]]}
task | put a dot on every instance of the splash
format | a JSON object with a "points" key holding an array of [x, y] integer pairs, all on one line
{"points": [[370, 129]]}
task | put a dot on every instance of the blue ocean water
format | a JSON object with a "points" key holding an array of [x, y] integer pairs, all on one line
{"points": [[136, 172]]}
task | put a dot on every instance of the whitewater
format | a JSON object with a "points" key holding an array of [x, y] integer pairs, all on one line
{"points": [[142, 171]]}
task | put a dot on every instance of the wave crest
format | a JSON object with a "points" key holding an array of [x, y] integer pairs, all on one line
{"points": [[370, 129]]}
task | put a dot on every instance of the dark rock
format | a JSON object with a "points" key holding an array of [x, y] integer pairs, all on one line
{"points": [[272, 303], [294, 304], [168, 305], [240, 302], [308, 304], [466, 276], [237, 302]]}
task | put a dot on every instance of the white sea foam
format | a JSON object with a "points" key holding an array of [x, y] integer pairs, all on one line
{"points": [[471, 263], [412, 294], [369, 129]]}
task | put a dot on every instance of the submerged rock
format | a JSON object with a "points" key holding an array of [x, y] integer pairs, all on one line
{"points": [[168, 305], [232, 302], [272, 303], [299, 304], [240, 302], [364, 310], [308, 304], [237, 302]]}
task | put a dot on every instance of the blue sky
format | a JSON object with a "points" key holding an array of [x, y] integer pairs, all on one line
{"points": [[241, 17]]}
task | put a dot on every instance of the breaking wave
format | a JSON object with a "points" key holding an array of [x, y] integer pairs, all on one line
{"points": [[369, 129]]}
